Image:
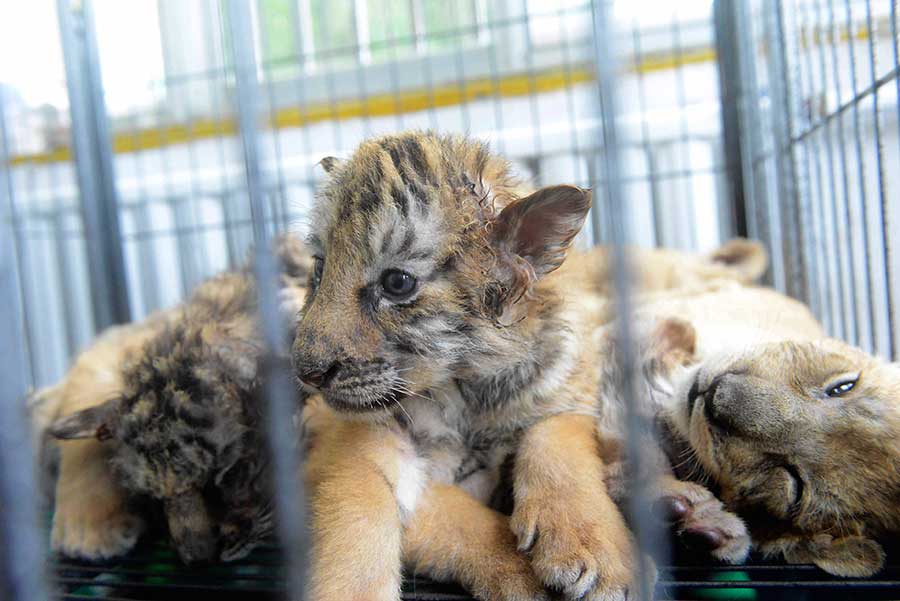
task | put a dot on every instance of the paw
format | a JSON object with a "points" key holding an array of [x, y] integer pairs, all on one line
{"points": [[585, 555], [508, 577], [94, 528], [703, 523]]}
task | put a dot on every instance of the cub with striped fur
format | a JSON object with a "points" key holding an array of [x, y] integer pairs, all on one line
{"points": [[437, 310]]}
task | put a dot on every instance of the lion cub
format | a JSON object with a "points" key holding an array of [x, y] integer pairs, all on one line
{"points": [[798, 433]]}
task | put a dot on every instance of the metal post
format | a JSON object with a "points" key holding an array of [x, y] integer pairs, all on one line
{"points": [[649, 538], [22, 554], [279, 389], [93, 163], [731, 92], [789, 195]]}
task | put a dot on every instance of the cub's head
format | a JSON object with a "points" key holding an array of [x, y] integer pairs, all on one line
{"points": [[426, 252], [803, 440], [185, 432]]}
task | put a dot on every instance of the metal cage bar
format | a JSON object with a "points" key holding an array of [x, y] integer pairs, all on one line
{"points": [[93, 159], [22, 548], [279, 388]]}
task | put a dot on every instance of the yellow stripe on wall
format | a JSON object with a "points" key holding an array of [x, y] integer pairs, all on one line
{"points": [[380, 105]]}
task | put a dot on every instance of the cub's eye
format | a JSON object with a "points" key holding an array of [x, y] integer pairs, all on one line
{"points": [[841, 387], [397, 284], [317, 271]]}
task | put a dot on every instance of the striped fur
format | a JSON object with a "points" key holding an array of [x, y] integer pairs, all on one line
{"points": [[489, 352], [184, 423]]}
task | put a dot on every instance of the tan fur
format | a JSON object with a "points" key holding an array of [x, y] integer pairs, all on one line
{"points": [[352, 473], [454, 537], [91, 518], [761, 418], [660, 271]]}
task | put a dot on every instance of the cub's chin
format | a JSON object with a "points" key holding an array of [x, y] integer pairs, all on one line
{"points": [[367, 405]]}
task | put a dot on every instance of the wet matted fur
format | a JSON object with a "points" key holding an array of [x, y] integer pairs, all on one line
{"points": [[179, 420]]}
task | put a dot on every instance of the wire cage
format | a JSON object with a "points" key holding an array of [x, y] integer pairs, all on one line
{"points": [[169, 136]]}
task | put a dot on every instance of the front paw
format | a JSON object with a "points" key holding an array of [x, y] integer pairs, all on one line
{"points": [[94, 527], [702, 522], [585, 554], [509, 578]]}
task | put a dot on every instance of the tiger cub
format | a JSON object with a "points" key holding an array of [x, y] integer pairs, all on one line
{"points": [[438, 311], [172, 404]]}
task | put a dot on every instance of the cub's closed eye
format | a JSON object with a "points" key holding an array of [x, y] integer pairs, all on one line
{"points": [[398, 285], [318, 267], [797, 485], [841, 387]]}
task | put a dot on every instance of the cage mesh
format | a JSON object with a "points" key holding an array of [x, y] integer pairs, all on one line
{"points": [[127, 171]]}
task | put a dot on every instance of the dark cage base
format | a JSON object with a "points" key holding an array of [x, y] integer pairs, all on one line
{"points": [[154, 572]]}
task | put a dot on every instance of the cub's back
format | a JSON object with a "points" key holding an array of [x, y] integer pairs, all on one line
{"points": [[736, 316]]}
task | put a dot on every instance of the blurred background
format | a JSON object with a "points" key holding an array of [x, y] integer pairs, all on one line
{"points": [[124, 176]]}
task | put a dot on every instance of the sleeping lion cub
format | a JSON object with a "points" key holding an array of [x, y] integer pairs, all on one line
{"points": [[798, 433]]}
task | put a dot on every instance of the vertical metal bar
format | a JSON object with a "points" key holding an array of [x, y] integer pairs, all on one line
{"points": [[307, 39], [571, 112], [845, 321], [648, 539], [66, 275], [460, 62], [731, 91], [863, 204], [494, 74], [279, 388], [827, 285], [387, 8], [327, 61], [802, 214], [533, 101], [428, 71], [482, 28], [363, 57], [273, 126], [302, 104], [418, 26], [883, 212], [751, 141], [785, 167], [895, 51], [684, 161], [11, 215], [361, 29], [845, 183], [649, 151], [22, 574], [93, 162]]}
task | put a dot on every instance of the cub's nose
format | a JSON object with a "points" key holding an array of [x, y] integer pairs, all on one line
{"points": [[315, 359]]}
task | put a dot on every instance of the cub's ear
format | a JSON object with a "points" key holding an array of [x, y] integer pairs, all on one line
{"points": [[748, 259], [330, 164], [674, 342], [540, 228], [846, 556], [93, 422]]}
